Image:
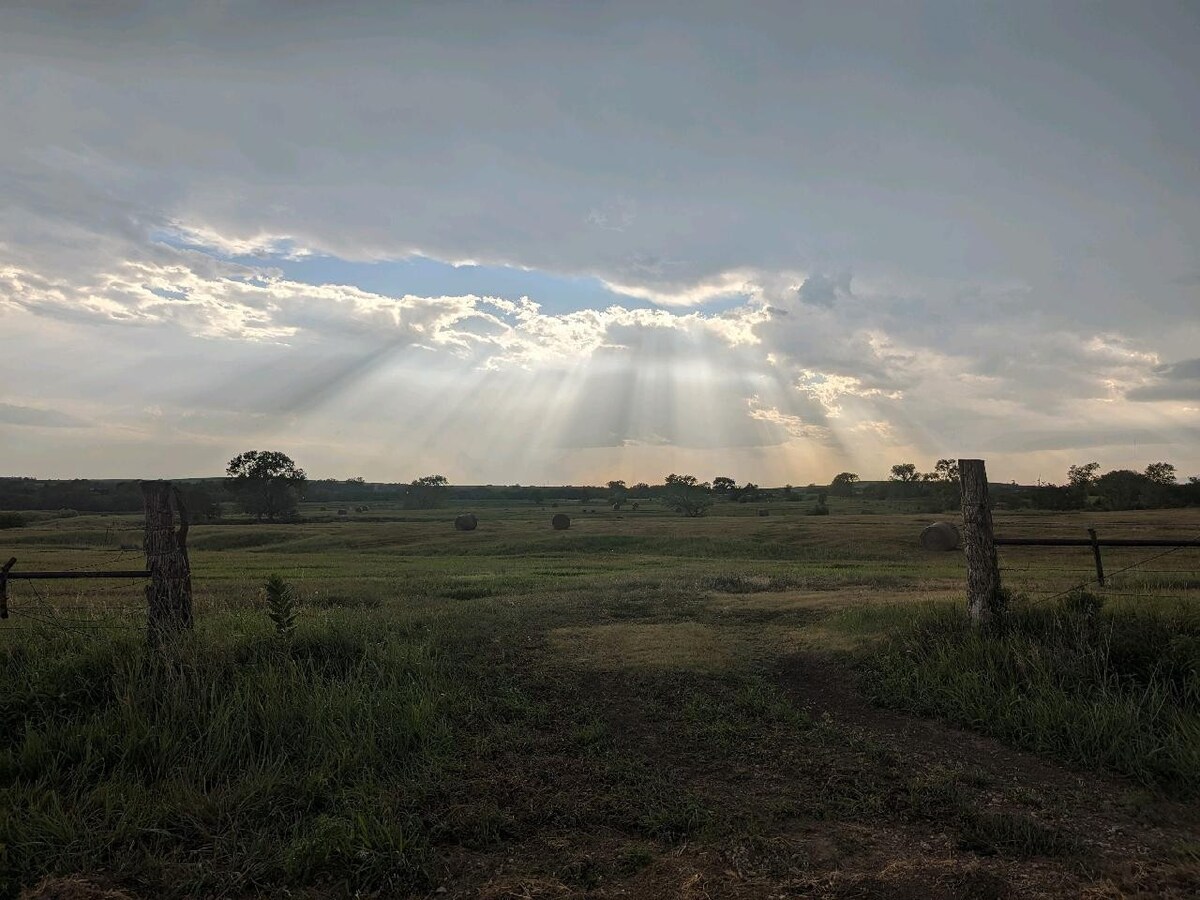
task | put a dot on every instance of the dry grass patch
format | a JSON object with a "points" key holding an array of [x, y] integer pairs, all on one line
{"points": [[787, 601], [675, 645]]}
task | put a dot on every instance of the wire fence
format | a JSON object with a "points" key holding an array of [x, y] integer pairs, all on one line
{"points": [[1033, 573], [79, 604], [1044, 574], [83, 606]]}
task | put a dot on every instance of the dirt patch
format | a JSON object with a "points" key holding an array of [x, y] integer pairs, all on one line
{"points": [[849, 801], [825, 685], [1132, 837]]}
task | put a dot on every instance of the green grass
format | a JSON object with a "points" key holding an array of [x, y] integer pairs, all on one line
{"points": [[607, 708], [233, 764], [1117, 689]]}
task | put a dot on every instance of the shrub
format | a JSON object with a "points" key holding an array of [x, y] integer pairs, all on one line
{"points": [[11, 520]]}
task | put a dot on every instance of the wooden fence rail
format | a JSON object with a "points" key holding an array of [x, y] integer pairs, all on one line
{"points": [[169, 593], [985, 599], [1089, 542]]}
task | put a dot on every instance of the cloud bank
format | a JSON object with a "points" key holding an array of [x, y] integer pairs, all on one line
{"points": [[832, 239]]}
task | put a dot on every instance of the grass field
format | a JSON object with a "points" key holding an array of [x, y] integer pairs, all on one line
{"points": [[641, 706]]}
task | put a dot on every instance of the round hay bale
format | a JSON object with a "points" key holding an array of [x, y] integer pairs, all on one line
{"points": [[939, 536], [466, 522], [561, 522], [764, 512]]}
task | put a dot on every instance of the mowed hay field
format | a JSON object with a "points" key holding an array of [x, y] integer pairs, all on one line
{"points": [[643, 705]]}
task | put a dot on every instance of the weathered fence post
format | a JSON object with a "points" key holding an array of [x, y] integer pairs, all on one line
{"points": [[1096, 556], [985, 601], [169, 593], [4, 587]]}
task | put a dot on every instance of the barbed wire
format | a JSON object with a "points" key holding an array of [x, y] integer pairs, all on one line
{"points": [[46, 614], [1108, 576]]}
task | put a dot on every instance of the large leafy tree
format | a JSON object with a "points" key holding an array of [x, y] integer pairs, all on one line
{"points": [[1084, 475], [618, 493], [723, 484], [1161, 473], [843, 484], [686, 495], [426, 492], [905, 472], [945, 470], [1123, 489], [266, 483]]}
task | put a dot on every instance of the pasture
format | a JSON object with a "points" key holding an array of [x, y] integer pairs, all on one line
{"points": [[643, 705]]}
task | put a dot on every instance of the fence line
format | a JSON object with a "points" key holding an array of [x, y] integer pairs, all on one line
{"points": [[169, 592]]}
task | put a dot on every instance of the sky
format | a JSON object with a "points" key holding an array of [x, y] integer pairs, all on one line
{"points": [[544, 243]]}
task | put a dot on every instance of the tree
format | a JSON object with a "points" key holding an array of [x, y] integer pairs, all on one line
{"points": [[747, 493], [906, 472], [265, 483], [1083, 476], [843, 484], [723, 485], [945, 470], [426, 492], [684, 495], [617, 494], [1161, 473], [1122, 488]]}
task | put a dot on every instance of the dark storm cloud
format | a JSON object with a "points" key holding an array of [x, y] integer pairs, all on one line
{"points": [[1174, 381]]}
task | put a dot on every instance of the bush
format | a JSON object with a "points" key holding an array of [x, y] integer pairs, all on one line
{"points": [[11, 520], [1113, 689]]}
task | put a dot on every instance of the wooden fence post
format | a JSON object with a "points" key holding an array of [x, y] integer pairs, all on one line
{"points": [[985, 601], [169, 594], [1096, 556], [4, 587]]}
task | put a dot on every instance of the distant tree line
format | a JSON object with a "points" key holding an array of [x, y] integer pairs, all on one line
{"points": [[270, 486], [1156, 487], [202, 496]]}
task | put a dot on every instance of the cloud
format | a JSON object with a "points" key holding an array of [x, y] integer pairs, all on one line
{"points": [[1093, 438], [1006, 199], [1171, 381], [723, 285], [11, 414], [823, 291], [642, 160]]}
